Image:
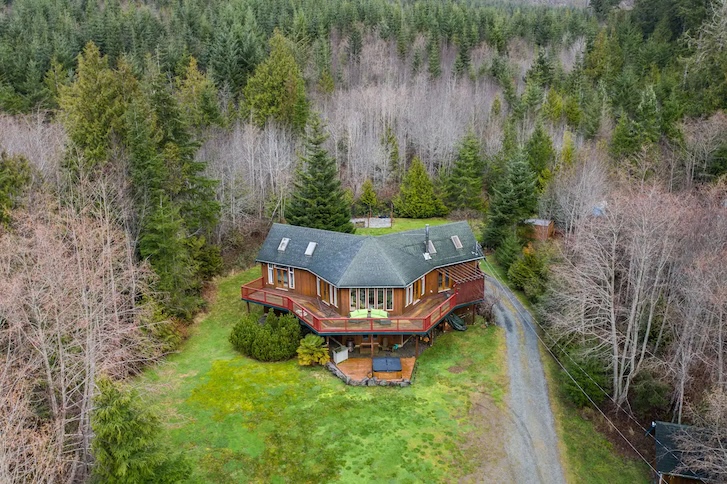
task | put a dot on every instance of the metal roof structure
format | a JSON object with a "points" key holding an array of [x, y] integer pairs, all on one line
{"points": [[392, 260]]}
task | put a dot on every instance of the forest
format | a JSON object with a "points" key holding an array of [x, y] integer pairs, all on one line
{"points": [[147, 147]]}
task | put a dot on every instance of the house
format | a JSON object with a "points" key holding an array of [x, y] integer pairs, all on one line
{"points": [[668, 465], [365, 291]]}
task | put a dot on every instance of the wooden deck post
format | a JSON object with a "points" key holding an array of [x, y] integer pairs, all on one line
{"points": [[248, 306], [416, 347]]}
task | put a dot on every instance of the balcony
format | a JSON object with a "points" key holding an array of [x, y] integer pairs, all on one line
{"points": [[420, 317]]}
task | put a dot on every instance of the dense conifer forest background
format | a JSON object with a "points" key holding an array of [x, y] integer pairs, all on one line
{"points": [[147, 146]]}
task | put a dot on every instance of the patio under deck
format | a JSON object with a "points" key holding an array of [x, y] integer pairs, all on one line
{"points": [[360, 368]]}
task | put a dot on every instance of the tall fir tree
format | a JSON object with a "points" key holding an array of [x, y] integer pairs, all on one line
{"points": [[513, 200], [416, 198], [540, 155], [318, 199], [463, 186]]}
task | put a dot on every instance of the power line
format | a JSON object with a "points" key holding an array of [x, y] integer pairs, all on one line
{"points": [[515, 306]]}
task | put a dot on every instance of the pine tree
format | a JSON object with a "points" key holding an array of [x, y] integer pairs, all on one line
{"points": [[391, 145], [318, 200], [416, 198], [277, 89], [126, 442], [463, 187]]}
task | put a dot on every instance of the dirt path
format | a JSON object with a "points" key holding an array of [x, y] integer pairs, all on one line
{"points": [[531, 445]]}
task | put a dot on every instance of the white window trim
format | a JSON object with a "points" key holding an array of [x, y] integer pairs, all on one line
{"points": [[291, 278], [270, 274], [318, 286]]}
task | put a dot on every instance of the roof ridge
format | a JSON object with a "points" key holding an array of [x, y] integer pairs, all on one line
{"points": [[385, 255]]}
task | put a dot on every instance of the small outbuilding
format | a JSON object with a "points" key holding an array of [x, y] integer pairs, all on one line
{"points": [[668, 462], [541, 229]]}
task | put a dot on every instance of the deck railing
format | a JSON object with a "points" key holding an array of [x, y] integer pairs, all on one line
{"points": [[472, 291]]}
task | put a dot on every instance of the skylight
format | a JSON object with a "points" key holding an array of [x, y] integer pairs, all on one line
{"points": [[311, 248], [457, 243], [430, 247], [283, 244], [427, 256]]}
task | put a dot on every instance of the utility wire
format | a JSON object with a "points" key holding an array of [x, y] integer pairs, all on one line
{"points": [[516, 307]]}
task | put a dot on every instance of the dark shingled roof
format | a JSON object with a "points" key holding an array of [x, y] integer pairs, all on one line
{"points": [[668, 455], [392, 260]]}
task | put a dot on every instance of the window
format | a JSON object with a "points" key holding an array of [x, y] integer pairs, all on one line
{"points": [[457, 243], [373, 298], [283, 244], [311, 247], [415, 291], [444, 281], [430, 248], [281, 277], [327, 292]]}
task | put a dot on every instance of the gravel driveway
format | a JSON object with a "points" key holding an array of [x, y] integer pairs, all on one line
{"points": [[531, 445]]}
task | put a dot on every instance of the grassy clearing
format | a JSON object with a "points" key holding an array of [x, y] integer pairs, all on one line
{"points": [[401, 224], [244, 421]]}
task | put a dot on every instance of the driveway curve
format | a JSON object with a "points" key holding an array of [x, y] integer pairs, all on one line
{"points": [[531, 445]]}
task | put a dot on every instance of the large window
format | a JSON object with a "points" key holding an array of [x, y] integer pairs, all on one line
{"points": [[281, 277], [415, 291], [372, 298], [327, 292]]}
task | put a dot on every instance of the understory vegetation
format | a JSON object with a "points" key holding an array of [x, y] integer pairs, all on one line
{"points": [[266, 337], [146, 147]]}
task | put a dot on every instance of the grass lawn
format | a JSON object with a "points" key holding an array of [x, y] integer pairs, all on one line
{"points": [[239, 420], [401, 224]]}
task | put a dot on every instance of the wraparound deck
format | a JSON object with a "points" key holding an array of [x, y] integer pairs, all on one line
{"points": [[421, 317]]}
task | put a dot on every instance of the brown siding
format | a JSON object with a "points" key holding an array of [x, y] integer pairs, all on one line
{"points": [[430, 283], [343, 301], [399, 301], [264, 273], [305, 283]]}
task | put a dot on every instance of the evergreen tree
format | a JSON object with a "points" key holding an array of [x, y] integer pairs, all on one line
{"points": [[434, 58], [540, 155], [15, 176], [463, 187], [163, 242], [513, 200], [368, 197], [93, 105], [277, 89], [391, 145], [126, 446], [318, 200], [197, 97], [416, 198]]}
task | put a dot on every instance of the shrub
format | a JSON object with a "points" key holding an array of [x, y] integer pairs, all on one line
{"points": [[312, 351], [126, 443], [529, 273], [276, 339], [649, 396], [581, 368]]}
